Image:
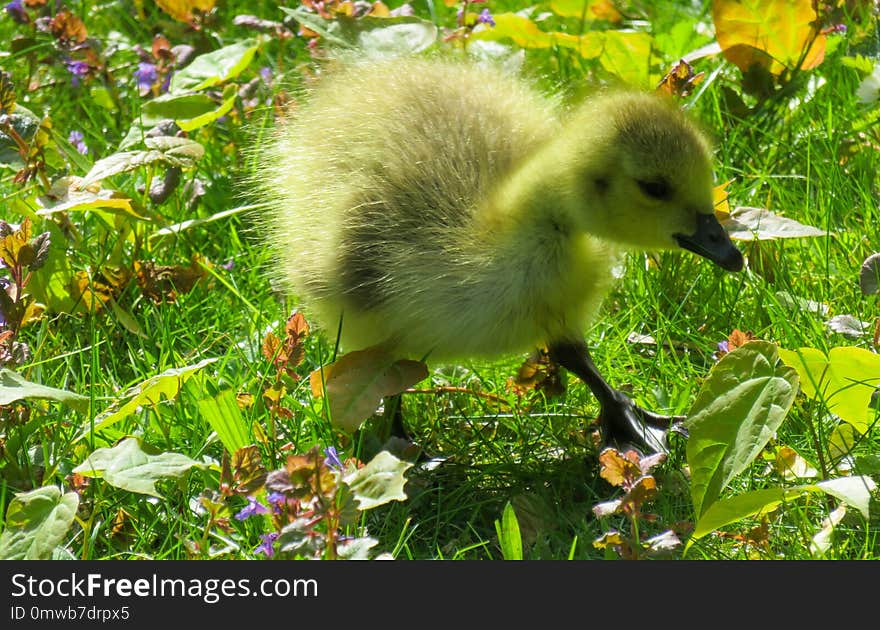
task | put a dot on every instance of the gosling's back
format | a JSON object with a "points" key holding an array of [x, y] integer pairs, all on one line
{"points": [[377, 185]]}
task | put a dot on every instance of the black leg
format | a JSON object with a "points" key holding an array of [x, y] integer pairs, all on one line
{"points": [[394, 413], [624, 424]]}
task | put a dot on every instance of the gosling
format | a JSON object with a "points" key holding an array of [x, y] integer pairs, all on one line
{"points": [[440, 209]]}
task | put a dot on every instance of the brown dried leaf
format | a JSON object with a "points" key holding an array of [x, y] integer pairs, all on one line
{"points": [[164, 283], [681, 80], [67, 28], [248, 471], [538, 373], [182, 10], [618, 469]]}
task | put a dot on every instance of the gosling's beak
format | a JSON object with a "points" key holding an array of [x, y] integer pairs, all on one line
{"points": [[712, 242]]}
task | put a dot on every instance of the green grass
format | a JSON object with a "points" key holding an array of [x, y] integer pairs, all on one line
{"points": [[532, 452]]}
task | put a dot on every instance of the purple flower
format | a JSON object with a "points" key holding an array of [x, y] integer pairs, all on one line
{"points": [[266, 547], [251, 509], [332, 458], [723, 346], [78, 69], [76, 139], [17, 12], [146, 76], [486, 18], [266, 75]]}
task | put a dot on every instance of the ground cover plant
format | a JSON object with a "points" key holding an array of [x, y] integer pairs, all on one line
{"points": [[160, 398]]}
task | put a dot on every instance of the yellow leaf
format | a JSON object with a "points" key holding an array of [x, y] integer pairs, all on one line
{"points": [[719, 197], [68, 195], [182, 10], [772, 34]]}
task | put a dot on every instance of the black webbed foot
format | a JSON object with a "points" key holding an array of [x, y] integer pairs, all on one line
{"points": [[625, 425]]}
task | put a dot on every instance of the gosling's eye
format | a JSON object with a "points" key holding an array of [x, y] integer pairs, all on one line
{"points": [[656, 189]]}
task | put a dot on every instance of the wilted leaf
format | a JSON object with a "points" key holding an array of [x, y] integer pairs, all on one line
{"points": [[680, 81], [36, 523], [14, 387], [67, 28], [215, 67], [164, 283], [356, 383], [739, 408], [618, 469], [869, 275], [822, 540], [790, 465], [7, 93], [128, 467], [68, 194], [248, 470], [224, 416], [844, 380], [772, 34], [182, 10], [378, 482], [164, 386], [849, 326], [758, 224]]}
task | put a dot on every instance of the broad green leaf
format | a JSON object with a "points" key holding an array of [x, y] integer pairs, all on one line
{"points": [[25, 123], [844, 380], [397, 39], [626, 54], [180, 152], [36, 523], [229, 96], [739, 408], [509, 536], [378, 482], [770, 33], [356, 383], [177, 106], [164, 386], [224, 416], [68, 194], [13, 387], [854, 491], [758, 224], [215, 67], [128, 467]]}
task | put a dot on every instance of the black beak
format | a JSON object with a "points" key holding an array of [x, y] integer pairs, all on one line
{"points": [[712, 242]]}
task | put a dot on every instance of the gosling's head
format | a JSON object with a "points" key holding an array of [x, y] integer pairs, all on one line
{"points": [[648, 178]]}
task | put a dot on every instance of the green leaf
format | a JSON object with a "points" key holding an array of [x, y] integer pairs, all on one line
{"points": [[229, 96], [378, 482], [854, 491], [178, 106], [214, 67], [844, 380], [509, 536], [627, 54], [739, 408], [14, 386], [128, 467], [224, 416], [180, 152], [36, 523], [406, 38], [164, 386], [356, 383]]}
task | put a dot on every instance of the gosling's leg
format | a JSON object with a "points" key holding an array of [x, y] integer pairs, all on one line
{"points": [[623, 422]]}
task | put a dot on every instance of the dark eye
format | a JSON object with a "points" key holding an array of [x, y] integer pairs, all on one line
{"points": [[656, 189]]}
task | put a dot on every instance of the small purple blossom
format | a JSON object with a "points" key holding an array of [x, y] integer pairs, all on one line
{"points": [[17, 12], [229, 265], [266, 75], [146, 75], [253, 508], [76, 138], [267, 546], [723, 346], [277, 500], [79, 69], [485, 17], [332, 456]]}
